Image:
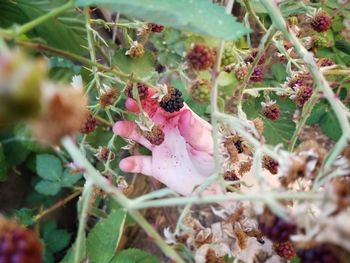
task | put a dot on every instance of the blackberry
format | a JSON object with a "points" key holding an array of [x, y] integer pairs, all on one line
{"points": [[257, 75], [277, 229], [200, 91], [270, 164], [172, 101], [285, 250], [321, 22], [228, 57], [200, 57], [271, 110], [156, 28], [325, 62], [241, 73], [89, 124], [18, 244], [303, 95], [155, 136], [141, 88], [319, 254], [253, 54]]}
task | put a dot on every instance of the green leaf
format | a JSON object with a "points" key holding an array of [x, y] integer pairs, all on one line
{"points": [[202, 17], [55, 239], [134, 255], [69, 179], [104, 237], [330, 126], [64, 32], [141, 67], [69, 257], [3, 165], [46, 187], [49, 167], [279, 72], [25, 216], [342, 45]]}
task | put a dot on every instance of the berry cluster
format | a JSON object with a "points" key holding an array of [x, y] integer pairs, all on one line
{"points": [[303, 95], [257, 75], [200, 91], [228, 57], [155, 136], [156, 28], [173, 101], [200, 57], [285, 250], [18, 244], [89, 124], [141, 88], [321, 254], [277, 229], [321, 22], [271, 111]]}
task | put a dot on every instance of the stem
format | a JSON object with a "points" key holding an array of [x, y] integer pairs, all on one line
{"points": [[214, 97], [304, 116], [100, 181], [253, 14], [220, 198], [38, 21], [57, 205], [85, 205]]}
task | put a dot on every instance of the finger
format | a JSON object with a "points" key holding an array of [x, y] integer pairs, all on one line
{"points": [[131, 105], [137, 164], [127, 129], [195, 132]]}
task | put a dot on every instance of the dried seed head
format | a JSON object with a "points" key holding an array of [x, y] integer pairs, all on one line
{"points": [[155, 136], [136, 50], [259, 125], [211, 257], [242, 237], [103, 154], [108, 97], [245, 167], [64, 115], [200, 57]]}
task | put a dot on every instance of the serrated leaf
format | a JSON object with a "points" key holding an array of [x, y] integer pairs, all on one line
{"points": [[69, 179], [46, 187], [134, 255], [104, 237], [3, 165], [69, 257], [57, 240], [25, 216], [202, 17], [49, 167], [330, 126]]}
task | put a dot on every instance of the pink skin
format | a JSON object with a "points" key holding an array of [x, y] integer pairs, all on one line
{"points": [[185, 158]]}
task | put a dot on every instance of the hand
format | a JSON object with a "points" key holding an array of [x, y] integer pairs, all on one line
{"points": [[185, 158]]}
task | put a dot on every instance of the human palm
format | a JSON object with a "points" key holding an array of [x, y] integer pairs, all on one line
{"points": [[184, 160]]}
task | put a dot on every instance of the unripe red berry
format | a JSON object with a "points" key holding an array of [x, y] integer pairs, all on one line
{"points": [[200, 57], [155, 136], [271, 111], [257, 75], [18, 244], [285, 250], [321, 22], [89, 124], [303, 95], [156, 27], [141, 88], [241, 72]]}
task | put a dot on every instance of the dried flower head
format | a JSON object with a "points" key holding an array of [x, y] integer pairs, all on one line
{"points": [[108, 97], [136, 50], [65, 113]]}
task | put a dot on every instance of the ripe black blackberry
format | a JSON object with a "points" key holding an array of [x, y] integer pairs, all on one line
{"points": [[172, 101], [276, 229], [141, 88], [18, 244], [285, 250], [89, 124], [200, 57], [319, 254], [321, 22]]}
